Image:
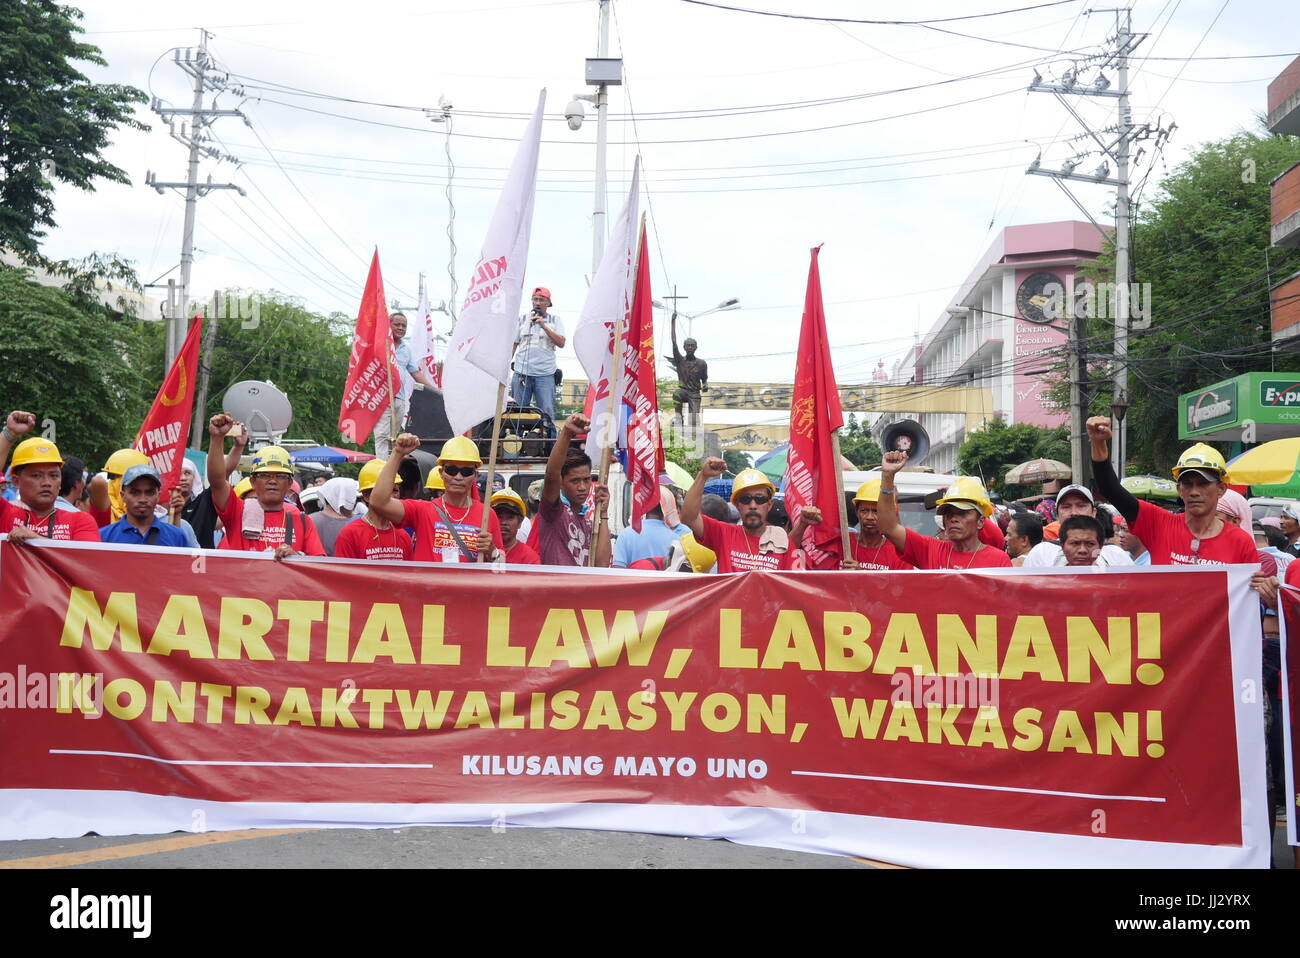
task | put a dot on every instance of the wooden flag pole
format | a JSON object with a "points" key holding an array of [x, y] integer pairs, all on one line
{"points": [[839, 489], [492, 463]]}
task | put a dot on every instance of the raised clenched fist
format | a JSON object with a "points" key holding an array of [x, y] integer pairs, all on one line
{"points": [[1099, 428], [893, 462], [20, 422], [406, 444], [220, 424], [576, 425], [712, 467]]}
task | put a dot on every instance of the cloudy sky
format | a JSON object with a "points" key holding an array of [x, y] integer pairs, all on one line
{"points": [[902, 148]]}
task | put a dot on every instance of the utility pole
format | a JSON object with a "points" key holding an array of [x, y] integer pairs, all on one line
{"points": [[197, 64], [602, 109], [1119, 429]]}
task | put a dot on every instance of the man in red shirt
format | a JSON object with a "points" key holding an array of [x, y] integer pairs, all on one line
{"points": [[1197, 537], [509, 508], [371, 536], [751, 545], [964, 509], [263, 520], [871, 550], [38, 475], [446, 529]]}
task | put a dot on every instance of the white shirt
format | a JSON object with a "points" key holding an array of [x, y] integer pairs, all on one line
{"points": [[1047, 554], [536, 353]]}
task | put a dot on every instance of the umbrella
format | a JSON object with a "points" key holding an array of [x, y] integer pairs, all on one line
{"points": [[1268, 464], [330, 454], [679, 476], [773, 464], [1037, 470], [1150, 487]]}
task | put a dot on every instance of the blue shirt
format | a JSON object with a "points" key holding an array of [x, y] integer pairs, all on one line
{"points": [[535, 354], [654, 540], [406, 366], [122, 532]]}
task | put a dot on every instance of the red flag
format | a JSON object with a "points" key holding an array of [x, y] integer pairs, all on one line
{"points": [[367, 394], [645, 450], [811, 474], [163, 435]]}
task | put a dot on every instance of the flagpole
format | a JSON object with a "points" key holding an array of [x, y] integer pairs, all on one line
{"points": [[392, 396], [839, 488], [492, 462]]}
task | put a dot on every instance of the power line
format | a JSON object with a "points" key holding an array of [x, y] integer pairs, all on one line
{"points": [[878, 23]]}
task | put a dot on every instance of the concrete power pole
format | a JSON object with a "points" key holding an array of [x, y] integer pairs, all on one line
{"points": [[197, 64], [1119, 429]]}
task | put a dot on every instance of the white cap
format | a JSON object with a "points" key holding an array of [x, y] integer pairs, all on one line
{"points": [[1081, 490]]}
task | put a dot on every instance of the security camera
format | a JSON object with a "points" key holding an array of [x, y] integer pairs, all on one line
{"points": [[574, 114]]}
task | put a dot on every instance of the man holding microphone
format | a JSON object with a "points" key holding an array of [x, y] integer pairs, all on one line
{"points": [[540, 334]]}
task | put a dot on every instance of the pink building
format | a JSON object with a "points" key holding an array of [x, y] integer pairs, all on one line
{"points": [[995, 334]]}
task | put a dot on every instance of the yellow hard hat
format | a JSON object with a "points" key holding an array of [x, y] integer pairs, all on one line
{"points": [[36, 451], [967, 492], [122, 460], [747, 479], [869, 491], [271, 459], [370, 472], [435, 481], [1201, 457], [511, 498], [460, 449], [700, 557], [243, 487]]}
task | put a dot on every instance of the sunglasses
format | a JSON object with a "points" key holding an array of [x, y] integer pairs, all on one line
{"points": [[465, 471], [755, 500]]}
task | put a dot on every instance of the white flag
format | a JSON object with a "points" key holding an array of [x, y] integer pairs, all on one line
{"points": [[424, 340], [608, 300], [478, 357]]}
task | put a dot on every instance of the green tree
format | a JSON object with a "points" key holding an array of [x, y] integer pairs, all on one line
{"points": [[735, 460], [857, 444], [54, 123], [989, 452]]}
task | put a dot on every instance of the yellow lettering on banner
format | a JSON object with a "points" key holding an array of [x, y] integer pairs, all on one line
{"points": [[243, 627], [433, 647], [1111, 733], [295, 707], [506, 716], [903, 723], [980, 654], [1067, 732], [565, 706], [422, 710], [606, 643], [216, 696], [560, 641], [1031, 650], [167, 699], [302, 615], [678, 705], [251, 702], [117, 618], [728, 704], [731, 654], [384, 634], [763, 715], [791, 641], [941, 725], [860, 719], [1084, 645], [1029, 736], [641, 714], [987, 727], [603, 712], [499, 649], [846, 634], [377, 699], [134, 693], [537, 710], [77, 691], [338, 627], [903, 647], [474, 711], [332, 710], [181, 628]]}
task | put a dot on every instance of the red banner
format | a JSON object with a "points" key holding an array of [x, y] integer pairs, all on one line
{"points": [[812, 468], [166, 429], [645, 450], [935, 718], [372, 377]]}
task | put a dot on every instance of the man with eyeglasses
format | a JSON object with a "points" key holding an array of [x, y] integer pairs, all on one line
{"points": [[446, 529], [1197, 537], [753, 544]]}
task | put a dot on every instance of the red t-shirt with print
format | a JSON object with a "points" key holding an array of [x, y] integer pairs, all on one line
{"points": [[737, 551], [881, 558], [59, 524], [925, 552], [361, 540], [305, 538], [434, 542], [1170, 542]]}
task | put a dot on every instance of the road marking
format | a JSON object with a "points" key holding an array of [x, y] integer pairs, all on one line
{"points": [[198, 761], [990, 788], [72, 859]]}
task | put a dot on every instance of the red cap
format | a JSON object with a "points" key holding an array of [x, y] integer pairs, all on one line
{"points": [[543, 291]]}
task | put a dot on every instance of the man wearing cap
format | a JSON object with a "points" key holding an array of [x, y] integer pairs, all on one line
{"points": [[1198, 536], [409, 370], [1289, 523], [539, 335], [1072, 501], [446, 529], [871, 550], [38, 475], [964, 509], [263, 520], [371, 536], [339, 494], [751, 545], [140, 526], [660, 528], [563, 525], [106, 504], [509, 508]]}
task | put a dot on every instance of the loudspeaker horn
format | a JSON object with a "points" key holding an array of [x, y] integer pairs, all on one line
{"points": [[906, 435]]}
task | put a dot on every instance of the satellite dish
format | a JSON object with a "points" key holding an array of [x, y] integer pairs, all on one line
{"points": [[261, 406]]}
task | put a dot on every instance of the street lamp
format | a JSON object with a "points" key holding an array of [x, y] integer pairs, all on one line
{"points": [[725, 305]]}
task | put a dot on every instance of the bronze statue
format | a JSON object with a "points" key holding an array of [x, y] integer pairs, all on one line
{"points": [[692, 378]]}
